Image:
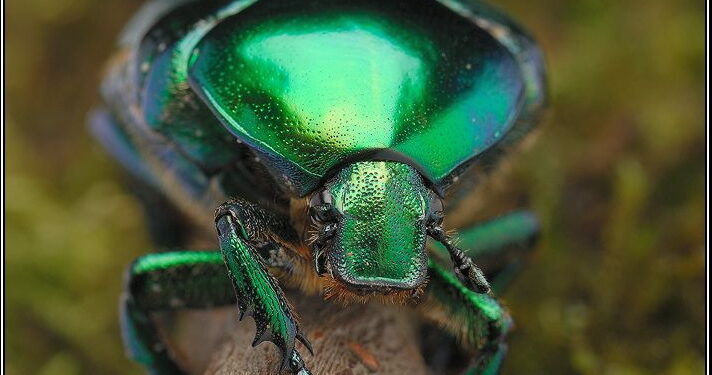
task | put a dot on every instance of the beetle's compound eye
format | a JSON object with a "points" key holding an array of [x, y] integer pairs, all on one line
{"points": [[320, 208], [436, 214], [321, 214]]}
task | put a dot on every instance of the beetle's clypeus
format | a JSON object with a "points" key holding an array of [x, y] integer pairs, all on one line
{"points": [[323, 140]]}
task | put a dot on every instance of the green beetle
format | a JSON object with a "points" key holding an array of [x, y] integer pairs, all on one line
{"points": [[327, 137]]}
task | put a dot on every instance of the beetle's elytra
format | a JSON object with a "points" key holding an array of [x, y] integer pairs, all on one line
{"points": [[322, 138]]}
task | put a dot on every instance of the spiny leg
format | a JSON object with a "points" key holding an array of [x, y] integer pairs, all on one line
{"points": [[171, 281], [243, 228], [498, 245]]}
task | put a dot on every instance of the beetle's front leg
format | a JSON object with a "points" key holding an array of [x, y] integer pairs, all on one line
{"points": [[243, 228], [477, 319]]}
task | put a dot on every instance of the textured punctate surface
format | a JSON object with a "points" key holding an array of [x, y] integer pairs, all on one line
{"points": [[382, 230], [310, 84]]}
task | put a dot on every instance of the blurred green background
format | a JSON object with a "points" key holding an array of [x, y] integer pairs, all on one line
{"points": [[616, 173]]}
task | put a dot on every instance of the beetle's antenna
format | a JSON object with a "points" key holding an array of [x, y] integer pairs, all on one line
{"points": [[318, 254], [465, 268]]}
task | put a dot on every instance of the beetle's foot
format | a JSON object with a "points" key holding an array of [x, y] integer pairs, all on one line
{"points": [[471, 275], [296, 365]]}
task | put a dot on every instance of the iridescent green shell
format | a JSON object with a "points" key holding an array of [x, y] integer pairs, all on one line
{"points": [[313, 85]]}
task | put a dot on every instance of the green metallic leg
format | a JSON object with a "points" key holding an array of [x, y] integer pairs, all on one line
{"points": [[243, 228], [162, 282], [477, 319], [171, 281], [499, 245], [489, 364]]}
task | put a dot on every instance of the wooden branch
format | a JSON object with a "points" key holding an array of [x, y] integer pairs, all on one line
{"points": [[352, 340]]}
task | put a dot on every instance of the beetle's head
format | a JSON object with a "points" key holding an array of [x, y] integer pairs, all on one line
{"points": [[370, 221]]}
